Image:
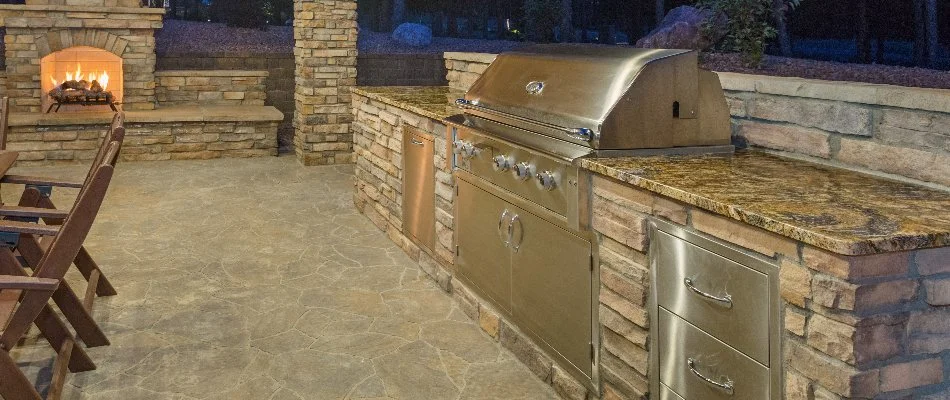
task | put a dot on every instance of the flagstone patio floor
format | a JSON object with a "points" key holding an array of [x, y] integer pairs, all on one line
{"points": [[258, 279]]}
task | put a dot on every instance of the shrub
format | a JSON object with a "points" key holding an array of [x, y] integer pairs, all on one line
{"points": [[541, 17], [749, 29]]}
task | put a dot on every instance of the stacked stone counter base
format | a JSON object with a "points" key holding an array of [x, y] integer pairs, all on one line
{"points": [[378, 129], [165, 134], [854, 327]]}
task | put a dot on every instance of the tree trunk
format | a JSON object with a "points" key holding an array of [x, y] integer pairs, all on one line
{"points": [[567, 21], [864, 34], [784, 42], [933, 34], [920, 34], [660, 11]]}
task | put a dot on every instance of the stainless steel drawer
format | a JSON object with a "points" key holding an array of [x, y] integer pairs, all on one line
{"points": [[668, 394], [699, 367], [726, 299]]}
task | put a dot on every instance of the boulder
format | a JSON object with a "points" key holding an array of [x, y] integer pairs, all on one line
{"points": [[683, 28], [415, 35]]}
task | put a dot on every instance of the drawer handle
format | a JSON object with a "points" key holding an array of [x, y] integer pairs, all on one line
{"points": [[725, 300], [416, 142], [728, 386]]}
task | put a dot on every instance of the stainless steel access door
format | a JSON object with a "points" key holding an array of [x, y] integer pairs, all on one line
{"points": [[551, 287], [483, 257], [418, 201]]}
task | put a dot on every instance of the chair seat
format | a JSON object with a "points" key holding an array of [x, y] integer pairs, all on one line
{"points": [[8, 302]]}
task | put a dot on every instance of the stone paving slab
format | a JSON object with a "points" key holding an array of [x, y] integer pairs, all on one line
{"points": [[257, 279]]}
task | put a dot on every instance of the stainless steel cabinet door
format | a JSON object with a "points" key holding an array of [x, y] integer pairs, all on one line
{"points": [[551, 292], [418, 203], [483, 257]]}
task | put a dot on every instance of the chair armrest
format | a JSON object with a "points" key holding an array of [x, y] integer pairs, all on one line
{"points": [[32, 212], [27, 283], [28, 228], [40, 181]]}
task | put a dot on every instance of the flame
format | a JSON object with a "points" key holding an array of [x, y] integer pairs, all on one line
{"points": [[102, 77]]}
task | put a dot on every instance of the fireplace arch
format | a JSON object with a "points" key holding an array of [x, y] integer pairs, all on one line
{"points": [[83, 75]]}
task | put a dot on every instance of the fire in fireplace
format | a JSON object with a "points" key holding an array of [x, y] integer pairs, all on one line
{"points": [[80, 77]]}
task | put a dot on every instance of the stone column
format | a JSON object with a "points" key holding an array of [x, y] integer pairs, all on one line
{"points": [[325, 50]]}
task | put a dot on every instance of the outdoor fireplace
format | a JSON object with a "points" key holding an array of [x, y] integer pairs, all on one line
{"points": [[81, 77]]}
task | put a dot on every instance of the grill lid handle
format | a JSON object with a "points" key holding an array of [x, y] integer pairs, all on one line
{"points": [[584, 134]]}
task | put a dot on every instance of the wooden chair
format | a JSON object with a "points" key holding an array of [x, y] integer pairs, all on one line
{"points": [[34, 205], [24, 300], [32, 201]]}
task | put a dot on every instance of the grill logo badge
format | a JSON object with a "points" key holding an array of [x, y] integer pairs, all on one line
{"points": [[534, 87]]}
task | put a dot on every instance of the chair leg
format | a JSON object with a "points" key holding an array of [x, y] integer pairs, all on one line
{"points": [[57, 334], [72, 307], [13, 384], [66, 299], [83, 260], [60, 369]]}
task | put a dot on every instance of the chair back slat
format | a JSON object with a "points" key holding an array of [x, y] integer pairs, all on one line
{"points": [[65, 246], [4, 121], [116, 133]]}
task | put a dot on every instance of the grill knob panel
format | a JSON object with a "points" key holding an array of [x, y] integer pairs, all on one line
{"points": [[523, 171], [502, 163], [465, 149], [547, 180]]}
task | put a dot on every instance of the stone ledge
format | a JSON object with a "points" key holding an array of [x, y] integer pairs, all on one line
{"points": [[88, 9], [171, 114], [212, 73], [485, 58], [851, 92]]}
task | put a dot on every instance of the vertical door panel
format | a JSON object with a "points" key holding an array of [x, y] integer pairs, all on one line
{"points": [[418, 202], [483, 258], [551, 287]]}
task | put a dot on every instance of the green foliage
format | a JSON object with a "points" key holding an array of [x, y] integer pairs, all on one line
{"points": [[749, 29], [541, 17]]}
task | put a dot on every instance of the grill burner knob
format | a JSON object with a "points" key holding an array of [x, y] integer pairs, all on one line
{"points": [[546, 180], [523, 171], [502, 163], [465, 149]]}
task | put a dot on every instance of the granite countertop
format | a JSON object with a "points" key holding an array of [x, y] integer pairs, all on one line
{"points": [[435, 102], [834, 209]]}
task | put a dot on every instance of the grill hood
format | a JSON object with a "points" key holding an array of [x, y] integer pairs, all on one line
{"points": [[600, 98]]}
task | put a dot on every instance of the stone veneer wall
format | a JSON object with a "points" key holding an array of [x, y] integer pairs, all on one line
{"points": [[145, 141], [401, 70], [325, 33], [895, 130], [378, 142], [222, 87], [465, 68], [279, 83], [853, 327], [41, 27]]}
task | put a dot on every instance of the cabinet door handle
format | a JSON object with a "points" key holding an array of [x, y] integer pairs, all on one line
{"points": [[416, 142], [515, 247], [501, 221], [728, 386], [725, 300]]}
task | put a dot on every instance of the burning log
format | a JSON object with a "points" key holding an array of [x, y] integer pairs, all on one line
{"points": [[81, 92]]}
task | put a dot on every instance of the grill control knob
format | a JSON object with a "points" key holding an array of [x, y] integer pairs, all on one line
{"points": [[523, 171], [502, 163], [547, 180], [465, 149]]}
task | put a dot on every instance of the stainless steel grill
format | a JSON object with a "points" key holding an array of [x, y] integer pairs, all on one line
{"points": [[523, 212]]}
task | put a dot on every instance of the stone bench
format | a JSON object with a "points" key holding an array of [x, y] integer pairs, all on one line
{"points": [[173, 133]]}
